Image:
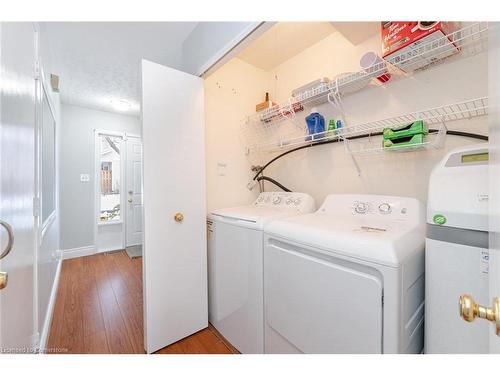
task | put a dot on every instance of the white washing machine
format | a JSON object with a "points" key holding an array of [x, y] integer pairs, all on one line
{"points": [[456, 253], [235, 265], [348, 278]]}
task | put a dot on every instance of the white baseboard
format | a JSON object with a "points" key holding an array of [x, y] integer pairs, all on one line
{"points": [[78, 252], [44, 337]]}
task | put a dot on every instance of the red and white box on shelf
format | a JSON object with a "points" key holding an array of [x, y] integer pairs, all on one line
{"points": [[421, 42]]}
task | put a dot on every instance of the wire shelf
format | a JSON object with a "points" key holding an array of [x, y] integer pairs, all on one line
{"points": [[280, 126], [436, 117]]}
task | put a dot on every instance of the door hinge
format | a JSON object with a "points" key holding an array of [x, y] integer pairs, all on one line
{"points": [[36, 206]]}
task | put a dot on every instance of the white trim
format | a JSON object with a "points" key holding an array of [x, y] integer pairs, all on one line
{"points": [[44, 337], [78, 252], [109, 249], [104, 223], [234, 47], [37, 214], [48, 223]]}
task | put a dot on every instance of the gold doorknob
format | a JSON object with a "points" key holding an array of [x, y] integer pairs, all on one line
{"points": [[470, 310], [3, 279], [178, 217], [130, 200]]}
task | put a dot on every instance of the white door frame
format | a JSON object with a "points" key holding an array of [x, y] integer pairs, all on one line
{"points": [[494, 175], [41, 227]]}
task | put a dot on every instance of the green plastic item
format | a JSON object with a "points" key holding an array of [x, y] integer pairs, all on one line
{"points": [[404, 141], [331, 128], [407, 130]]}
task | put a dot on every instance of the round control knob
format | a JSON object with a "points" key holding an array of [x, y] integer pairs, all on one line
{"points": [[361, 208], [289, 201], [260, 199], [277, 200], [297, 201], [385, 208]]}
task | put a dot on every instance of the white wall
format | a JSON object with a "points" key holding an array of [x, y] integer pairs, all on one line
{"points": [[328, 169], [230, 94], [78, 157]]}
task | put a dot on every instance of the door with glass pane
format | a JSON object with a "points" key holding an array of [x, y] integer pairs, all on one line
{"points": [[110, 149]]}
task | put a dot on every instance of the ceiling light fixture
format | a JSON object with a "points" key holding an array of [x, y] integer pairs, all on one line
{"points": [[121, 105]]}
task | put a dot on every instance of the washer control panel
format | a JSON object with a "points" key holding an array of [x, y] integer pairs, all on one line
{"points": [[300, 202], [372, 206]]}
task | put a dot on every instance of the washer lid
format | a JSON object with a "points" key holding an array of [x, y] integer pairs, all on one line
{"points": [[251, 216], [380, 241]]}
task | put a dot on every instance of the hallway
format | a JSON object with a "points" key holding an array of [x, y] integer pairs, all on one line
{"points": [[99, 310]]}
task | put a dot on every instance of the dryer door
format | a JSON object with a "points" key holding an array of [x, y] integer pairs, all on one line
{"points": [[315, 305]]}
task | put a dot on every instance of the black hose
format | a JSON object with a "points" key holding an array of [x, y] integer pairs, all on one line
{"points": [[320, 143], [274, 182], [466, 134]]}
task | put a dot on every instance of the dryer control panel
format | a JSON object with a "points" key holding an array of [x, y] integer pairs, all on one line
{"points": [[298, 201], [381, 206]]}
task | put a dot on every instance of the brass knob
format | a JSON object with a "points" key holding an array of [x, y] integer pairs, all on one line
{"points": [[130, 200], [3, 279], [178, 217], [470, 310]]}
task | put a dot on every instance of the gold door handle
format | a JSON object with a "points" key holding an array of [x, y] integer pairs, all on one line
{"points": [[470, 310], [3, 279], [10, 242], [6, 251], [130, 200], [178, 217]]}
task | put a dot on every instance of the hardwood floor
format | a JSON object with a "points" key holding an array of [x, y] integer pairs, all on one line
{"points": [[99, 310]]}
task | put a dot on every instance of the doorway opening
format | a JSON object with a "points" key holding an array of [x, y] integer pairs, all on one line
{"points": [[118, 192]]}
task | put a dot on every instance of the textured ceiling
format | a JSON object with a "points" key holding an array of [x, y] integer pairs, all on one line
{"points": [[100, 61], [283, 41]]}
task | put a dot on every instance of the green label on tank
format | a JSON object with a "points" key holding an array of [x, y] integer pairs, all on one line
{"points": [[439, 219]]}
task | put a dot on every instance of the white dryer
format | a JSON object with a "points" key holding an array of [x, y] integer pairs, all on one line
{"points": [[235, 265], [348, 278]]}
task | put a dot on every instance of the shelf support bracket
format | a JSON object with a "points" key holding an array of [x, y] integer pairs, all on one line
{"points": [[349, 151], [335, 100]]}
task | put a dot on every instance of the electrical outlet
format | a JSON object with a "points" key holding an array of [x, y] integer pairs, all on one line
{"points": [[84, 177]]}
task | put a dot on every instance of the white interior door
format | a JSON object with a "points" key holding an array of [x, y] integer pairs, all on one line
{"points": [[134, 191], [17, 181], [175, 258]]}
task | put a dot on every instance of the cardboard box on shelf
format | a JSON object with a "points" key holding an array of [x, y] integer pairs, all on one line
{"points": [[404, 37]]}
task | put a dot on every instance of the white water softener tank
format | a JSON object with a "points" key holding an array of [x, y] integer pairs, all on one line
{"points": [[456, 254]]}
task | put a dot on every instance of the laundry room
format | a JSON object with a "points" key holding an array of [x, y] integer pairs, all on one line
{"points": [[260, 187], [298, 119]]}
